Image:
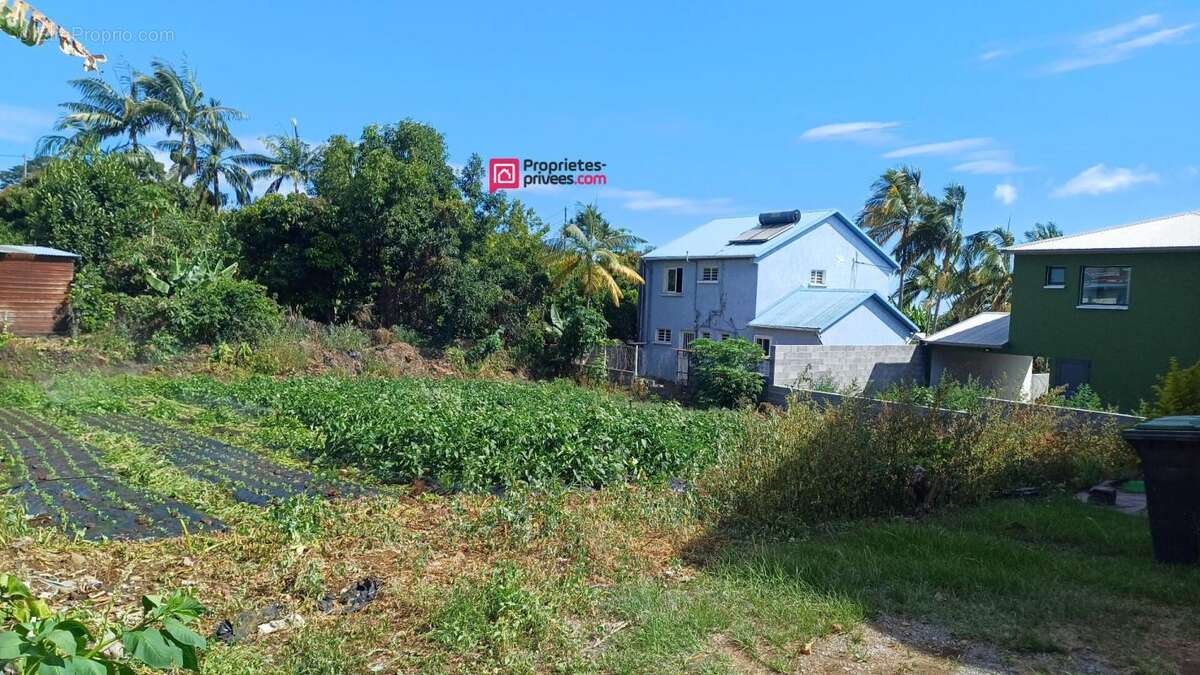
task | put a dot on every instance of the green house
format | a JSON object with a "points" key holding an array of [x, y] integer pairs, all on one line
{"points": [[1111, 307]]}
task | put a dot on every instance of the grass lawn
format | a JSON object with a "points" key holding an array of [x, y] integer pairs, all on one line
{"points": [[1036, 584]]}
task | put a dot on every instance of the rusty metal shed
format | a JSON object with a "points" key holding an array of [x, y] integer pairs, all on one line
{"points": [[34, 286]]}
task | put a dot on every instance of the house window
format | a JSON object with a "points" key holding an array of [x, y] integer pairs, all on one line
{"points": [[764, 342], [816, 278], [1056, 277], [725, 336], [1105, 287], [686, 337], [663, 336], [706, 334], [674, 281], [710, 275]]}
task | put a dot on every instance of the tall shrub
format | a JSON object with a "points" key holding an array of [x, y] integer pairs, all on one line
{"points": [[726, 372], [1177, 391]]}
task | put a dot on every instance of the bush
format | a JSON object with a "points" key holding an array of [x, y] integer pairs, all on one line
{"points": [[583, 329], [1084, 398], [726, 372], [1177, 391], [93, 307], [223, 310], [812, 464], [949, 394], [484, 348]]}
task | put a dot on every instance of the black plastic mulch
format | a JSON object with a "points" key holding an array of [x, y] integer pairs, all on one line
{"points": [[251, 478], [62, 482]]}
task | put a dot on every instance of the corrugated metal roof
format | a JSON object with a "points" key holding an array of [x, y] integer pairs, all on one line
{"points": [[36, 250], [711, 240], [1169, 233], [986, 330], [816, 309]]}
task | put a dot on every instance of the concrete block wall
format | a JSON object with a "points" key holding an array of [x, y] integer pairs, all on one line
{"points": [[868, 368]]}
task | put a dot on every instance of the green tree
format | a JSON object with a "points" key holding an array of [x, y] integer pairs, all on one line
{"points": [[591, 253], [294, 247], [1040, 231], [287, 159], [986, 270], [176, 102], [896, 207], [216, 162], [103, 111], [936, 244], [20, 172]]}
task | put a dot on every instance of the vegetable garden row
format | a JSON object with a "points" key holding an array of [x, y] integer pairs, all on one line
{"points": [[251, 478], [63, 481], [477, 434]]}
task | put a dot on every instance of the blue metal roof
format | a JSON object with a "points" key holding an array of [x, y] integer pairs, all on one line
{"points": [[36, 250], [711, 240], [816, 309]]}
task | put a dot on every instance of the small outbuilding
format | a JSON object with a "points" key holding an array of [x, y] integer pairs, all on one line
{"points": [[976, 348], [35, 282]]}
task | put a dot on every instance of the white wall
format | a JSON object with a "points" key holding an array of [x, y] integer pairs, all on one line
{"points": [[1011, 375]]}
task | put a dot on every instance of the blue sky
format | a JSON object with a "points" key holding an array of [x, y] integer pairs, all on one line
{"points": [[1081, 114]]}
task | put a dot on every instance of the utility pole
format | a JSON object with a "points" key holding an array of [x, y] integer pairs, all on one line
{"points": [[24, 167]]}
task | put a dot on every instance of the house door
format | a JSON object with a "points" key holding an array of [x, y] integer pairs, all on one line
{"points": [[1072, 373]]}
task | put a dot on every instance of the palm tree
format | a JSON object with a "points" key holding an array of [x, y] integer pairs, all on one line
{"points": [[986, 271], [214, 163], [593, 252], [288, 158], [177, 102], [936, 246], [896, 206], [1040, 231], [105, 111]]}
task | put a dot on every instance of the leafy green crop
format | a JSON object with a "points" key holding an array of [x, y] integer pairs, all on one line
{"points": [[476, 434], [33, 640]]}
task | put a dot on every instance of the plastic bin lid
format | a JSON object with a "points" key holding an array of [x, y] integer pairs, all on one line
{"points": [[1181, 427]]}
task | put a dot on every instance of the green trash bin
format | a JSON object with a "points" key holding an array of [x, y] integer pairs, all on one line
{"points": [[1170, 451]]}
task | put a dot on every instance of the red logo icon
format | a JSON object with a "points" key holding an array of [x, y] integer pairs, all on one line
{"points": [[504, 174]]}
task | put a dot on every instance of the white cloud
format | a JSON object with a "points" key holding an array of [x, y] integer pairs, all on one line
{"points": [[1100, 179], [993, 54], [1005, 194], [1113, 33], [24, 125], [988, 167], [989, 162], [1102, 48], [648, 200], [942, 148], [869, 132]]}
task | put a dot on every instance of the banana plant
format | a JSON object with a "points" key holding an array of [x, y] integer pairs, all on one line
{"points": [[181, 275]]}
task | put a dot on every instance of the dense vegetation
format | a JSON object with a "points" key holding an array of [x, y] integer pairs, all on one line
{"points": [[726, 372], [939, 264], [479, 434], [380, 230], [811, 463]]}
